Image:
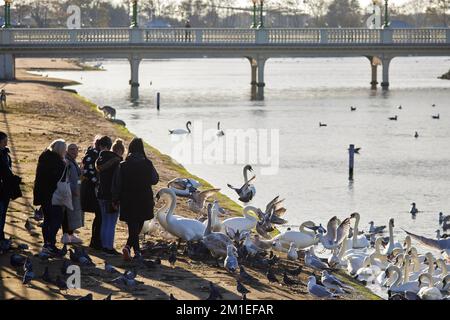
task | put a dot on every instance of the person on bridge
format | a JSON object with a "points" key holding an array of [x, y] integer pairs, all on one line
{"points": [[187, 32], [3, 98]]}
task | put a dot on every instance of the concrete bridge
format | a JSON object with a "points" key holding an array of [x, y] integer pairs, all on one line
{"points": [[380, 46]]}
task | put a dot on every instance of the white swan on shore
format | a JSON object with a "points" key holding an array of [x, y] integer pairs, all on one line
{"points": [[357, 241], [301, 239], [429, 292], [334, 237], [247, 191], [182, 131], [397, 286], [239, 224], [392, 244], [184, 228]]}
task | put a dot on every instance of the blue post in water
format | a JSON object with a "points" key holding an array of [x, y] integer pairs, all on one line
{"points": [[351, 161], [158, 100]]}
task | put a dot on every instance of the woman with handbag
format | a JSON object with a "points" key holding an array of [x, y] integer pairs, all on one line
{"points": [[50, 173]]}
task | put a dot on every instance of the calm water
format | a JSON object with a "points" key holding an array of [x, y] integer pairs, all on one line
{"points": [[392, 170]]}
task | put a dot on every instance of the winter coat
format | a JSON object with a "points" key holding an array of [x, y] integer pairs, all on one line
{"points": [[89, 180], [106, 165], [5, 173], [75, 217], [132, 188], [50, 169]]}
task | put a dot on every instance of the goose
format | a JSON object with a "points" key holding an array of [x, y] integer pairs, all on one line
{"points": [[357, 241], [333, 283], [245, 223], [322, 124], [184, 228], [430, 292], [216, 242], [247, 191], [392, 244], [183, 187], [397, 286], [375, 229], [436, 116], [394, 118], [182, 131], [334, 238], [413, 208], [292, 253], [219, 132], [197, 200]]}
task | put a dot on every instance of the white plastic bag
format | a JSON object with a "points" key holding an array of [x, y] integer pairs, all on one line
{"points": [[63, 195]]}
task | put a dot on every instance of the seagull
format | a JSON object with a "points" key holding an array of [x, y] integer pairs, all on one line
{"points": [[271, 276], [242, 290], [230, 263], [375, 229], [214, 293], [331, 282], [413, 209], [292, 253], [312, 261], [318, 290]]}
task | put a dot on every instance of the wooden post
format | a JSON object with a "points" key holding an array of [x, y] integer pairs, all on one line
{"points": [[351, 161], [158, 100]]}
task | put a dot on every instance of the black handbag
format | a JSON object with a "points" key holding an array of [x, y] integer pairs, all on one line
{"points": [[14, 190]]}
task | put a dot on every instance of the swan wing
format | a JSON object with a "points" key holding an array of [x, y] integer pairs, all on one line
{"points": [[436, 244], [206, 194], [342, 231], [271, 204], [331, 229]]}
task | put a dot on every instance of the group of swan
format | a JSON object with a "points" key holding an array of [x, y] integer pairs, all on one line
{"points": [[219, 131]]}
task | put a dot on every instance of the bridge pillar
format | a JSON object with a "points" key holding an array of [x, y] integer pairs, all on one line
{"points": [[261, 62], [134, 81], [7, 67], [374, 62], [253, 83], [385, 63]]}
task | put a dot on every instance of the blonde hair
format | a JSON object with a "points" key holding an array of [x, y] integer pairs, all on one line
{"points": [[58, 146], [118, 146]]}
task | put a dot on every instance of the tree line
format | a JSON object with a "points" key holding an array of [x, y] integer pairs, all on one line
{"points": [[225, 13]]}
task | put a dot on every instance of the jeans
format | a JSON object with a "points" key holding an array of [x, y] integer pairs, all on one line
{"points": [[53, 217], [3, 209], [108, 228], [134, 229]]}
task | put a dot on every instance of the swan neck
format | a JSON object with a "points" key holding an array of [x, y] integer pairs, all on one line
{"points": [[355, 230], [245, 174], [173, 203]]}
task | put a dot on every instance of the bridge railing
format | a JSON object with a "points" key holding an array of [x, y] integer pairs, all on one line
{"points": [[205, 36]]}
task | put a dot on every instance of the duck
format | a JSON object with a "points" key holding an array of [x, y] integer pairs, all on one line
{"points": [[429, 292], [413, 208], [357, 241], [216, 242], [322, 124], [184, 228], [416, 135], [247, 191], [436, 116], [394, 118], [292, 253], [335, 236], [219, 132], [197, 200], [245, 223], [392, 244], [182, 131], [352, 108], [184, 187]]}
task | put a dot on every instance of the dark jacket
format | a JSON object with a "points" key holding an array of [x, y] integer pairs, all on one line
{"points": [[5, 173], [49, 170], [89, 181], [106, 165], [132, 188]]}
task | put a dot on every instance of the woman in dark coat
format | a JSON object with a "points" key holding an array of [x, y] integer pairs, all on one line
{"points": [[5, 176], [50, 168], [132, 191]]}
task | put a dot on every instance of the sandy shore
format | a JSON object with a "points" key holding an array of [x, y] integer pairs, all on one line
{"points": [[38, 112]]}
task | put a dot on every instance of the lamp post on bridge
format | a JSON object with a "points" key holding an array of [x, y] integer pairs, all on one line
{"points": [[254, 25], [134, 17], [261, 16], [7, 23], [386, 14]]}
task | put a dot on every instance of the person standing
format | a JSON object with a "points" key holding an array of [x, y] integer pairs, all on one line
{"points": [[106, 165], [50, 169], [88, 195], [132, 192], [187, 36], [73, 219], [5, 178], [3, 98]]}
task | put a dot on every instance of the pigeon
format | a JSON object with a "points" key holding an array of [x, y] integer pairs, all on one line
{"points": [[271, 276], [110, 269], [23, 246], [172, 258], [63, 251], [5, 245], [129, 274], [172, 297], [62, 285], [244, 276], [16, 260], [27, 265], [214, 293], [288, 281], [108, 297], [46, 276], [38, 215], [29, 274], [296, 271], [29, 226], [318, 290], [151, 263], [242, 290], [230, 263], [89, 296]]}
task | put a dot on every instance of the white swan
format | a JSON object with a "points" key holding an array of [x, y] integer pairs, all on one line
{"points": [[197, 200], [301, 239], [354, 263], [377, 258], [397, 286], [182, 131], [335, 260], [246, 223], [392, 244], [247, 191], [357, 241], [367, 272], [184, 228], [429, 292], [219, 132], [333, 237], [216, 224]]}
